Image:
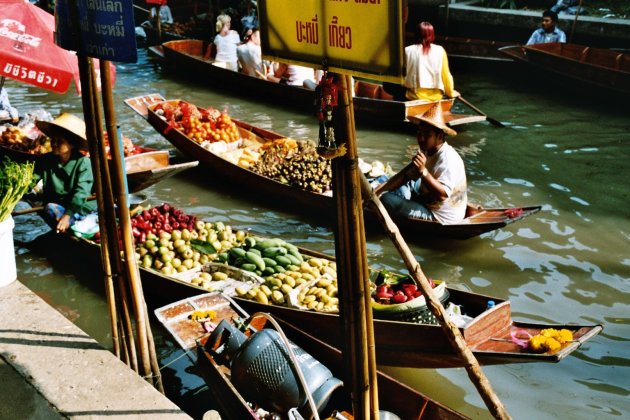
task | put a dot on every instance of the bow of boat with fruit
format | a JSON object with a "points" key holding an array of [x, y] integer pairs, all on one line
{"points": [[274, 167]]}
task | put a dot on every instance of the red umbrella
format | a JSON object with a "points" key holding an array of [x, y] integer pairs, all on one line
{"points": [[28, 52]]}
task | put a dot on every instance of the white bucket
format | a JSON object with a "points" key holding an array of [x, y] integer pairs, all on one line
{"points": [[8, 271]]}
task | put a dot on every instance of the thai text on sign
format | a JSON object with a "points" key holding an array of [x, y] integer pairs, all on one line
{"points": [[352, 36], [106, 29]]}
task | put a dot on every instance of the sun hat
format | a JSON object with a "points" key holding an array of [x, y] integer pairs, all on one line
{"points": [[434, 117], [67, 126]]}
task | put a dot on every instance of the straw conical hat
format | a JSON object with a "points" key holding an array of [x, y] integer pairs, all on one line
{"points": [[67, 126], [434, 117]]}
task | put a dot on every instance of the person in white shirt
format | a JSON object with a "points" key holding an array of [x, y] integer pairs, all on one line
{"points": [[226, 42], [293, 75], [427, 75], [433, 186], [249, 54]]}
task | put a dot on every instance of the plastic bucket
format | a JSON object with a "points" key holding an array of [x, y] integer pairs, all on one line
{"points": [[8, 271]]}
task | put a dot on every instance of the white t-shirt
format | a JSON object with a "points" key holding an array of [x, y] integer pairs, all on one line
{"points": [[448, 168], [424, 70], [226, 47], [250, 57], [297, 74]]}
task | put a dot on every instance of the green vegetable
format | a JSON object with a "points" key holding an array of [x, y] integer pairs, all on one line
{"points": [[15, 181]]}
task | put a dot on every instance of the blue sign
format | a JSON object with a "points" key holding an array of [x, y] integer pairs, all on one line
{"points": [[106, 29]]}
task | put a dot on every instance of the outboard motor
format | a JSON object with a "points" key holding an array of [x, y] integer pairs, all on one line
{"points": [[262, 370]]}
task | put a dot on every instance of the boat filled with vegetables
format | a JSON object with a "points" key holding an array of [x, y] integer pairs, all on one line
{"points": [[275, 167], [143, 166], [181, 255]]}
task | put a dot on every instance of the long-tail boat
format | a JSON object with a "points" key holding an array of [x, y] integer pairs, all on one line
{"points": [[483, 220], [371, 102], [598, 67], [186, 321]]}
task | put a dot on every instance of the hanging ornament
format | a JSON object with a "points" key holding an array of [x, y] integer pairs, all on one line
{"points": [[326, 97]]}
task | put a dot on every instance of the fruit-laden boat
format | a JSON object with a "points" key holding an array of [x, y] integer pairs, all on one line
{"points": [[371, 102], [209, 324], [190, 269], [144, 166], [598, 67], [237, 164]]}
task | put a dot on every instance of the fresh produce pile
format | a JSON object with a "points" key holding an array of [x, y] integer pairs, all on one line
{"points": [[129, 149], [15, 180], [201, 125], [549, 339], [295, 163], [392, 288], [25, 139], [170, 241]]}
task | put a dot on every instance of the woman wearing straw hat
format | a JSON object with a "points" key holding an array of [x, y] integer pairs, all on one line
{"points": [[433, 186], [64, 178]]}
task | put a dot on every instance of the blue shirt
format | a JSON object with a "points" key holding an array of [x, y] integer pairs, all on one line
{"points": [[541, 37]]}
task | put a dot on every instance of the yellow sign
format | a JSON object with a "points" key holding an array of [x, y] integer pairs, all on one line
{"points": [[359, 37]]}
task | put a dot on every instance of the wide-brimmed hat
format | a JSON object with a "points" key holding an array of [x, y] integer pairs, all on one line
{"points": [[434, 117], [67, 126]]}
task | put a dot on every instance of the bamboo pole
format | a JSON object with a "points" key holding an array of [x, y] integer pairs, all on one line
{"points": [[131, 266], [452, 333], [355, 307]]}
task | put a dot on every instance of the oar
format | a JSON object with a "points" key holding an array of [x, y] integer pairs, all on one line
{"points": [[480, 112], [40, 208]]}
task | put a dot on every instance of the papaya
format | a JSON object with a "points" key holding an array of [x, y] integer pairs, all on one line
{"points": [[248, 267], [270, 262], [254, 258], [282, 260], [237, 252]]}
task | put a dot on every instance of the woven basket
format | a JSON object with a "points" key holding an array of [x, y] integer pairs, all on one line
{"points": [[419, 315]]}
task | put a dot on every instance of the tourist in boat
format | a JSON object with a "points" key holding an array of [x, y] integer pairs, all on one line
{"points": [[434, 186], [7, 112], [293, 75], [226, 42], [249, 53], [548, 32], [64, 177], [428, 75]]}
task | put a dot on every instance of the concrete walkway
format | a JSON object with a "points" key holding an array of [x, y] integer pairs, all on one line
{"points": [[49, 368]]}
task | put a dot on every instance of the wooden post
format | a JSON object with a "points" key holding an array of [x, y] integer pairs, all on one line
{"points": [[452, 333], [131, 267], [352, 268]]}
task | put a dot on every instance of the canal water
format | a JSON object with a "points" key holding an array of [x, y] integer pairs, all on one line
{"points": [[569, 263]]}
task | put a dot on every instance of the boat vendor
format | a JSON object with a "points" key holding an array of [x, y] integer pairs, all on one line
{"points": [[433, 186], [64, 177], [428, 75], [548, 32]]}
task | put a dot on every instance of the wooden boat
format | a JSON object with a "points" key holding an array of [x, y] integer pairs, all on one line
{"points": [[150, 167], [143, 169], [484, 220], [473, 49], [394, 396], [598, 67], [398, 343], [371, 103]]}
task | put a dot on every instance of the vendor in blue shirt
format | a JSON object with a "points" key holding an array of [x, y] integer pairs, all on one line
{"points": [[548, 32]]}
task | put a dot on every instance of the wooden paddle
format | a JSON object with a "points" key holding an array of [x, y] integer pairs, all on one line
{"points": [[480, 112]]}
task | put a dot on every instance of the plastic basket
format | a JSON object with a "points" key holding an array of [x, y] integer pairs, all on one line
{"points": [[419, 315]]}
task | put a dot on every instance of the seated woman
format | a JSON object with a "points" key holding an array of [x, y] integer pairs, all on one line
{"points": [[249, 54], [64, 177], [433, 186], [293, 75], [225, 42]]}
